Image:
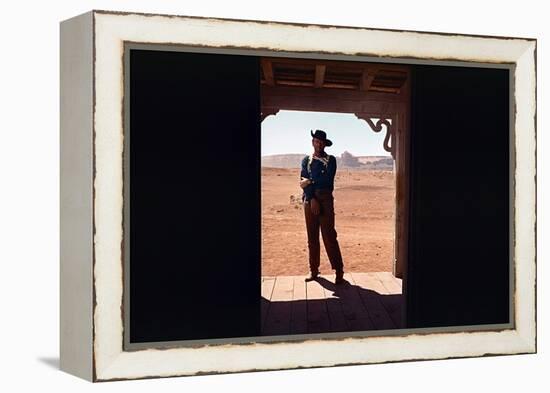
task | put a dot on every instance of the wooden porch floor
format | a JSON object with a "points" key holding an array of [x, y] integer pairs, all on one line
{"points": [[367, 301]]}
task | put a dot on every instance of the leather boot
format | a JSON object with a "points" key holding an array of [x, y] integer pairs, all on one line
{"points": [[339, 277], [312, 276]]}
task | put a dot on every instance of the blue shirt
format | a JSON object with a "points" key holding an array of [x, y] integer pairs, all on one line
{"points": [[321, 171]]}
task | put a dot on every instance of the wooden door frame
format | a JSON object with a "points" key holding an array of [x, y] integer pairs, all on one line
{"points": [[364, 104]]}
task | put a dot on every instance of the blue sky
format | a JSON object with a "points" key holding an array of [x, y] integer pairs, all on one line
{"points": [[288, 132]]}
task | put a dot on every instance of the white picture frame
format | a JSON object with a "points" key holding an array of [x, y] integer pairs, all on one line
{"points": [[92, 269]]}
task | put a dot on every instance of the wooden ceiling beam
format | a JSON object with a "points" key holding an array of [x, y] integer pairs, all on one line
{"points": [[282, 82], [319, 75], [295, 83], [367, 78], [339, 63], [392, 90], [326, 104], [267, 67], [345, 94]]}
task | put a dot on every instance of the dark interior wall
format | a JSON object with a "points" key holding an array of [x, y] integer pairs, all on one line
{"points": [[458, 271], [194, 196]]}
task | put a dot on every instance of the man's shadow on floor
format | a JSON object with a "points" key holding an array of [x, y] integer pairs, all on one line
{"points": [[344, 289], [348, 292]]}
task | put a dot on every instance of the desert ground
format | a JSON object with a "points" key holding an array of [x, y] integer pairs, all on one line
{"points": [[364, 204]]}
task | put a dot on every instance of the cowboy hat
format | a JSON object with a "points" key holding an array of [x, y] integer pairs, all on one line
{"points": [[322, 135]]}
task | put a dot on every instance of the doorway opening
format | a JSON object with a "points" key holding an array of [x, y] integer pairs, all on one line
{"points": [[348, 100]]}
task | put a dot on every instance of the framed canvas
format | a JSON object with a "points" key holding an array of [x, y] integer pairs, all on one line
{"points": [[178, 259]]}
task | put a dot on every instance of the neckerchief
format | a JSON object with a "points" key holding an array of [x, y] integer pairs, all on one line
{"points": [[323, 160]]}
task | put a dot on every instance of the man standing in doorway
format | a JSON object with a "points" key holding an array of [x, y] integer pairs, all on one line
{"points": [[317, 182]]}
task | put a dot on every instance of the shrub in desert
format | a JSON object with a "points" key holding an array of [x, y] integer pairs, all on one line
{"points": [[296, 201]]}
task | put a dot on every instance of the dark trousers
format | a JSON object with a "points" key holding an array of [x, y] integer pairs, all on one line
{"points": [[325, 221]]}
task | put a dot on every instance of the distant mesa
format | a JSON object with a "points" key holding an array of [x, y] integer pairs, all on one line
{"points": [[283, 160], [349, 160], [346, 160]]}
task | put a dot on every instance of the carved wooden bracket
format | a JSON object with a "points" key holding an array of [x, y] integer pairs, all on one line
{"points": [[268, 112], [377, 127]]}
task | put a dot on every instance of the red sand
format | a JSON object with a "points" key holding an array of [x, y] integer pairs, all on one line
{"points": [[364, 203]]}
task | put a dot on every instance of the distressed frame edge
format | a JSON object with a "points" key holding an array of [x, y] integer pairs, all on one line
{"points": [[527, 339], [304, 24], [525, 196], [76, 196]]}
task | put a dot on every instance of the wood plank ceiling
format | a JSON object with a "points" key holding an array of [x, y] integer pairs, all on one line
{"points": [[366, 77]]}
